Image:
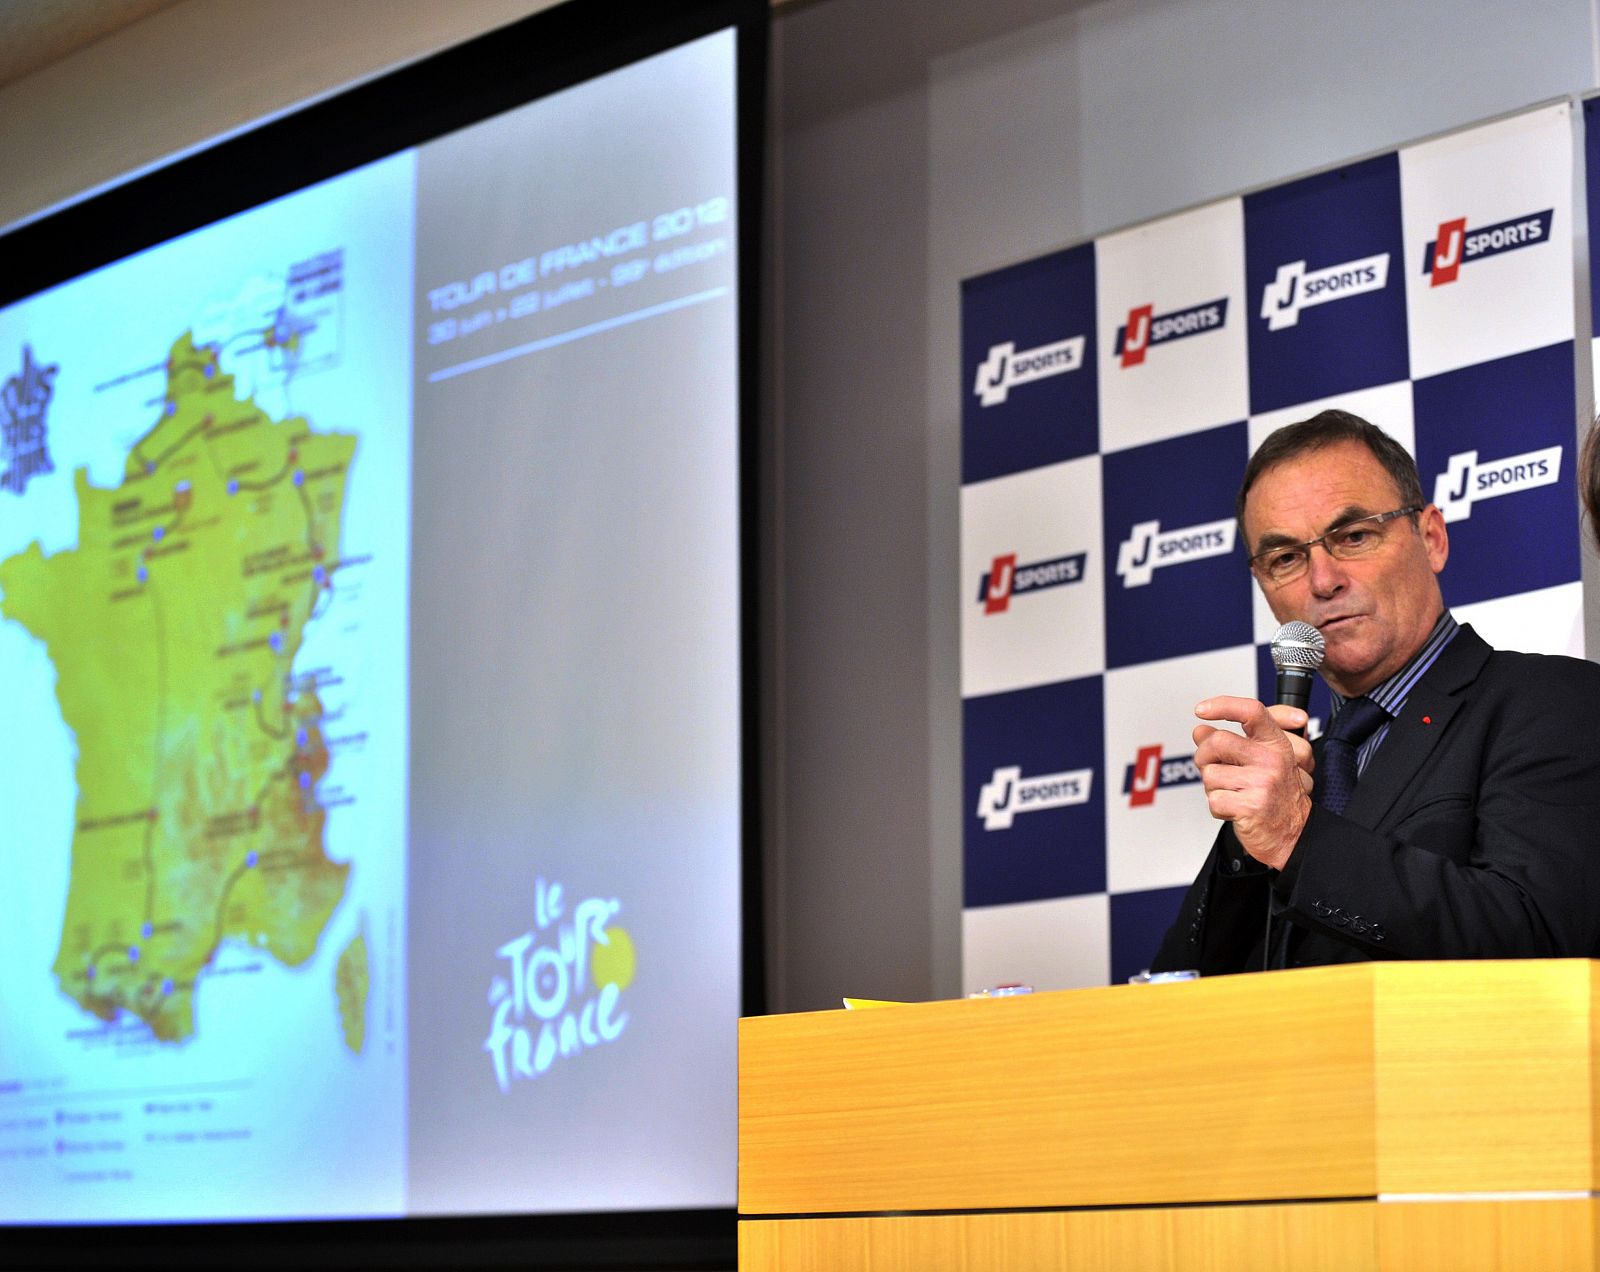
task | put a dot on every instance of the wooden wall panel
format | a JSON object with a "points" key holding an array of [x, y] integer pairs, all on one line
{"points": [[1481, 1236]]}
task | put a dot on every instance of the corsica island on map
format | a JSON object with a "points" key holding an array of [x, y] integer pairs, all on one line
{"points": [[173, 627]]}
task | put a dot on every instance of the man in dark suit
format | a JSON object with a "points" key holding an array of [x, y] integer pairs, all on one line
{"points": [[1453, 808]]}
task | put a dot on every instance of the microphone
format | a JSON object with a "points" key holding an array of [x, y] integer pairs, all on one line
{"points": [[1297, 652]]}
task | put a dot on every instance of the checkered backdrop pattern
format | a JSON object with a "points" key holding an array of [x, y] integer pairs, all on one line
{"points": [[1112, 394]]}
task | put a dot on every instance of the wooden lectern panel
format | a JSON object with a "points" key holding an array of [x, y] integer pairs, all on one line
{"points": [[1390, 1079], [1419, 1117], [1484, 1076], [1238, 1087]]}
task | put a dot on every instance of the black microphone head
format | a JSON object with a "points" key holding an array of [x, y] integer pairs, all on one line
{"points": [[1298, 646]]}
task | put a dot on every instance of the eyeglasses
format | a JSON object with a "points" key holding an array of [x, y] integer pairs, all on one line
{"points": [[1354, 539]]}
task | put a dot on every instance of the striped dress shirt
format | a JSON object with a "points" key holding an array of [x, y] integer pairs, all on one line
{"points": [[1391, 695]]}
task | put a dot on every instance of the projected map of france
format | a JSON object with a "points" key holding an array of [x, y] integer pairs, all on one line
{"points": [[204, 485], [173, 628]]}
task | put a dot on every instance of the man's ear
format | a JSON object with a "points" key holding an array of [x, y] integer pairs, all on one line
{"points": [[1435, 537]]}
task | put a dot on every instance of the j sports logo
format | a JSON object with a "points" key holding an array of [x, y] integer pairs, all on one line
{"points": [[1145, 328], [1295, 289], [1149, 773], [1008, 793], [1005, 368], [1456, 245], [1006, 578], [1465, 481], [1148, 548]]}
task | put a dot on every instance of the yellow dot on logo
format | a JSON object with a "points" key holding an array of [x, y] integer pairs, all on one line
{"points": [[613, 963]]}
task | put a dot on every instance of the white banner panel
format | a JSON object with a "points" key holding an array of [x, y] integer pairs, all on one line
{"points": [[1488, 234], [1032, 607], [1057, 944], [1171, 317]]}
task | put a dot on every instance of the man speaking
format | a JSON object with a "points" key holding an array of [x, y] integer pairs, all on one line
{"points": [[1453, 808]]}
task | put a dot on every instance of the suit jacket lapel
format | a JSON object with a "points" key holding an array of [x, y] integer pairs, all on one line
{"points": [[1410, 742]]}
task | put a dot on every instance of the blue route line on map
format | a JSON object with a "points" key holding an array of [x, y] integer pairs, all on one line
{"points": [[576, 333]]}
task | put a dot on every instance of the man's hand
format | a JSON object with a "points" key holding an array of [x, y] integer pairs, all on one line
{"points": [[1261, 782]]}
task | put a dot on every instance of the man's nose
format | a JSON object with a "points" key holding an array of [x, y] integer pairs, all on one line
{"points": [[1324, 571]]}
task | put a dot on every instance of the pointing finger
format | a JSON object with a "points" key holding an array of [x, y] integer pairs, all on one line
{"points": [[1225, 708], [1255, 717]]}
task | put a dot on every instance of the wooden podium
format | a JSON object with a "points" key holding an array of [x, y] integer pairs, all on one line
{"points": [[1374, 1116]]}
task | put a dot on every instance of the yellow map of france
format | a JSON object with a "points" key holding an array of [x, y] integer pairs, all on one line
{"points": [[172, 627]]}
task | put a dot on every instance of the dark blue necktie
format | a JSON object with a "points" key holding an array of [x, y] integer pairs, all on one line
{"points": [[1358, 721]]}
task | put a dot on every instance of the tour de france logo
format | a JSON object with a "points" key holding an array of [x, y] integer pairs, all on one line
{"points": [[561, 994], [24, 399]]}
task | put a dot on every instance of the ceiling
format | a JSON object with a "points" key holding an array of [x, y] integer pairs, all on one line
{"points": [[35, 33]]}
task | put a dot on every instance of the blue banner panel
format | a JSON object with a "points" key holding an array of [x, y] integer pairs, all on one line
{"points": [[1495, 450], [1029, 393], [1034, 778], [1325, 278], [1138, 922], [1178, 582]]}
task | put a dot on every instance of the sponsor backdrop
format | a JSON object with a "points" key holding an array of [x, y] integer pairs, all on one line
{"points": [[1112, 394]]}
